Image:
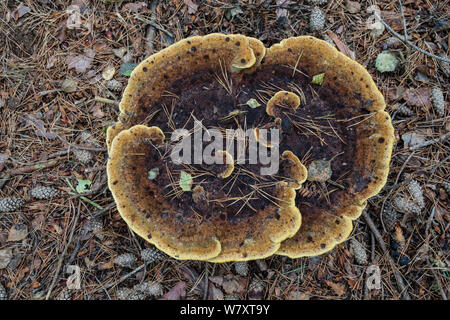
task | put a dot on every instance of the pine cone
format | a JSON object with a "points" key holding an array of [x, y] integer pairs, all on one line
{"points": [[124, 293], [256, 289], [96, 226], [438, 101], [126, 260], [44, 193], [3, 295], [390, 216], [415, 190], [241, 268], [84, 156], [316, 20], [405, 205], [152, 255], [150, 288], [114, 85], [359, 252], [404, 110], [64, 295], [446, 186], [11, 204]]}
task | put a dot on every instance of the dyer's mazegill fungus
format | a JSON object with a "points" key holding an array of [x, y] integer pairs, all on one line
{"points": [[181, 163]]}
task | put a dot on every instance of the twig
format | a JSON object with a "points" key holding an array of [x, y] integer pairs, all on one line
{"points": [[151, 30], [405, 31], [205, 292], [153, 24], [432, 141], [105, 100], [94, 169], [399, 36], [438, 281], [438, 165], [26, 169], [125, 277], [58, 267], [380, 240], [101, 211]]}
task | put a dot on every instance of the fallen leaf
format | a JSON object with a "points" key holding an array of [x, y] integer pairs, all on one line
{"points": [[127, 68], [338, 288], [232, 285], [69, 85], [185, 181], [281, 8], [318, 79], [51, 62], [105, 265], [22, 10], [253, 103], [97, 111], [120, 52], [108, 72], [38, 222], [3, 158], [39, 126], [353, 6], [5, 257], [420, 97], [83, 186], [341, 45], [192, 7], [176, 293], [296, 295], [17, 233], [214, 293], [412, 139], [81, 62], [135, 7]]}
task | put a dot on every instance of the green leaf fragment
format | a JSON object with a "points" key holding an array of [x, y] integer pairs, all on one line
{"points": [[185, 181], [127, 68], [318, 79], [153, 173], [84, 186], [253, 103]]}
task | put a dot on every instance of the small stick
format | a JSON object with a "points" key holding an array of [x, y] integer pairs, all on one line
{"points": [[399, 36], [95, 169], [441, 290], [59, 265], [432, 141], [105, 100], [26, 169]]}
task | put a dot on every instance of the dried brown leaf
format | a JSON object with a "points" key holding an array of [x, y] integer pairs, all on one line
{"points": [[338, 288], [192, 7], [17, 233], [135, 6], [341, 45], [82, 62], [176, 293], [420, 97]]}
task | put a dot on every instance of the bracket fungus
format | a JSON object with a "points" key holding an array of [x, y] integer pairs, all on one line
{"points": [[229, 210]]}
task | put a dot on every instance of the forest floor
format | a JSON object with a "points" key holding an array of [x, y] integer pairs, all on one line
{"points": [[57, 99]]}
